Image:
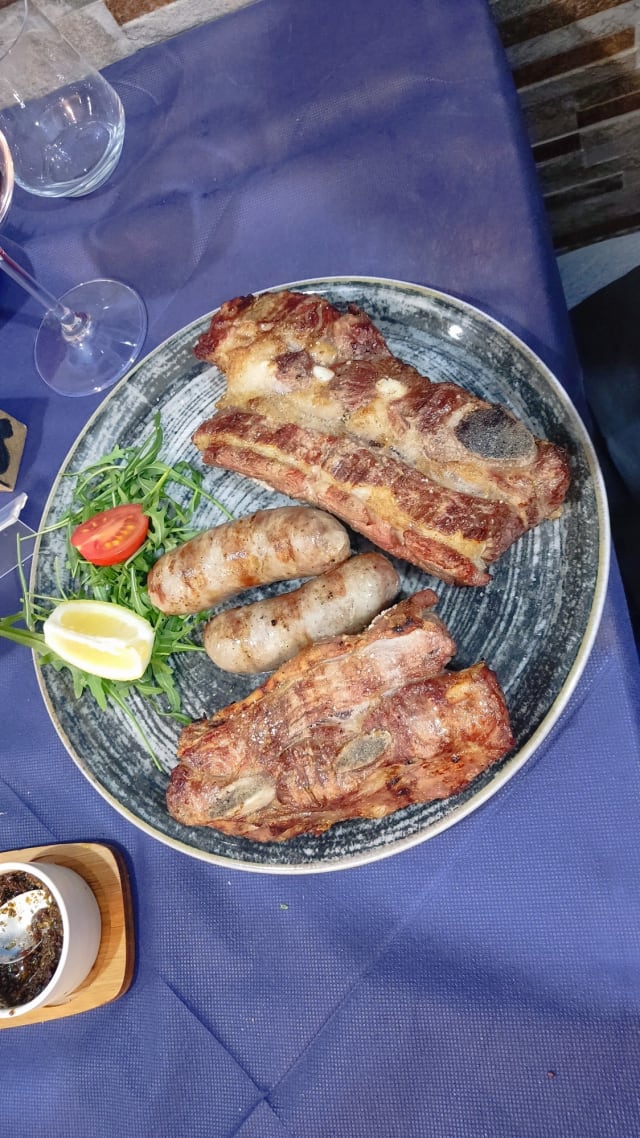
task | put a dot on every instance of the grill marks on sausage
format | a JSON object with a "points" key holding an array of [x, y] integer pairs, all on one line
{"points": [[258, 637], [270, 545]]}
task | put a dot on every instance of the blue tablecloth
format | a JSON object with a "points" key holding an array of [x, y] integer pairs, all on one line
{"points": [[486, 982]]}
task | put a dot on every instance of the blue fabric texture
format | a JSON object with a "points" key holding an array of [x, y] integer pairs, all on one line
{"points": [[485, 983]]}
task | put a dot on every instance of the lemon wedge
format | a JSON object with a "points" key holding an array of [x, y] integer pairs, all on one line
{"points": [[101, 638]]}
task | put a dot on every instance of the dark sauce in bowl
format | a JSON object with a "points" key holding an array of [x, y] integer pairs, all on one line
{"points": [[23, 980]]}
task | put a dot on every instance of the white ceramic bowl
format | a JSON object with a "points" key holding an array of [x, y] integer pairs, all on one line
{"points": [[81, 931]]}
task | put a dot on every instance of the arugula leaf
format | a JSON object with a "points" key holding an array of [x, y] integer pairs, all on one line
{"points": [[126, 474]]}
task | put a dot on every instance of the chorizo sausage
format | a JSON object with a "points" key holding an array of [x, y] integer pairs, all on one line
{"points": [[259, 637], [269, 545]]}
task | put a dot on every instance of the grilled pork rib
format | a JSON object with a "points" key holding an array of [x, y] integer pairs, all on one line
{"points": [[318, 407], [355, 726]]}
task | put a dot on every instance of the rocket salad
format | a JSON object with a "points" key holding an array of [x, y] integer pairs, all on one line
{"points": [[138, 475]]}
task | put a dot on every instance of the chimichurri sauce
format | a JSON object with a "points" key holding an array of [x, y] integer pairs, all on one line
{"points": [[23, 980]]}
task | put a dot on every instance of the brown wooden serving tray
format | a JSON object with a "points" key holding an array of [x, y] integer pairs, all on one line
{"points": [[104, 871]]}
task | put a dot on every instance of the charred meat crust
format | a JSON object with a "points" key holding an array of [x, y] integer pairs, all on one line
{"points": [[318, 407], [357, 726], [448, 534]]}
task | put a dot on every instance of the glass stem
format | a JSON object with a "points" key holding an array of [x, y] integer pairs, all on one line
{"points": [[71, 322]]}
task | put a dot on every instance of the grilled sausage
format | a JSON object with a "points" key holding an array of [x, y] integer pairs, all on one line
{"points": [[270, 545], [259, 637]]}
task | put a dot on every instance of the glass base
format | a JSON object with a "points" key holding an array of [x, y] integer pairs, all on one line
{"points": [[102, 351]]}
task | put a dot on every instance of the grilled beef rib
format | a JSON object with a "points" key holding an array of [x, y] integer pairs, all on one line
{"points": [[355, 726], [317, 407]]}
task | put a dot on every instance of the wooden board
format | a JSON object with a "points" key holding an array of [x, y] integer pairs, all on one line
{"points": [[104, 871]]}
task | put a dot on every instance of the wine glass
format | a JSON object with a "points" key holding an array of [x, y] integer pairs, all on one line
{"points": [[88, 338], [63, 121]]}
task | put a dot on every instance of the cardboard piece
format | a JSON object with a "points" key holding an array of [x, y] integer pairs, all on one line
{"points": [[12, 439]]}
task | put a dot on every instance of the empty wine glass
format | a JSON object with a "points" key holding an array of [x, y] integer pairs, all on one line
{"points": [[63, 121], [88, 338]]}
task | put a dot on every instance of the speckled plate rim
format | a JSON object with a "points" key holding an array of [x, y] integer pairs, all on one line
{"points": [[514, 764]]}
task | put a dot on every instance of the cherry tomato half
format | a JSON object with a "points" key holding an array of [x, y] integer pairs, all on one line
{"points": [[111, 536]]}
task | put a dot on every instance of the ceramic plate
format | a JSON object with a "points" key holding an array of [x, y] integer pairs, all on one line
{"points": [[534, 624]]}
